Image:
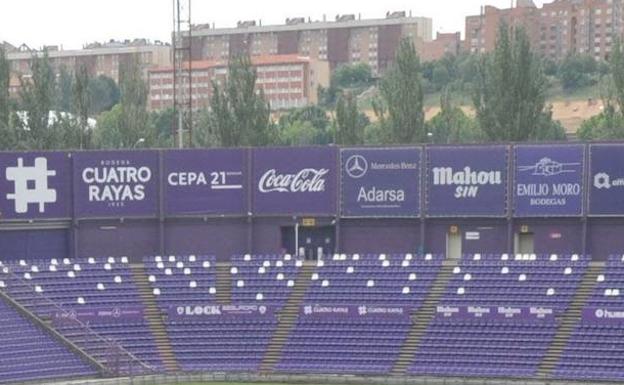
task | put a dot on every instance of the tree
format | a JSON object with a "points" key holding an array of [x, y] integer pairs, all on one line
{"points": [[37, 100], [452, 125], [239, 114], [5, 78], [313, 123], [82, 105], [349, 124], [64, 90], [128, 122], [578, 71], [509, 96], [400, 109], [103, 93], [609, 124], [352, 76]]}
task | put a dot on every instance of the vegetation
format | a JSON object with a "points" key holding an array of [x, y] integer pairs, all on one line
{"points": [[507, 90]]}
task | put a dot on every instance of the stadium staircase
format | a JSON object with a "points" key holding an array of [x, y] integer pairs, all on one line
{"points": [[49, 329], [287, 318], [422, 317], [154, 317], [570, 319], [224, 283]]}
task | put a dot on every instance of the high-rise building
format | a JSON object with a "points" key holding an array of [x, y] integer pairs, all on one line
{"points": [[555, 30], [347, 39], [99, 58]]}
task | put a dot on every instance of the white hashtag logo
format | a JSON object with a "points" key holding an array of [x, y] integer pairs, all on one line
{"points": [[31, 185]]}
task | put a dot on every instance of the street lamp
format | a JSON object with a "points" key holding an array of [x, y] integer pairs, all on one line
{"points": [[140, 141]]}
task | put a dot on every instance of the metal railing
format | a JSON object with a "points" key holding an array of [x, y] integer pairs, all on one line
{"points": [[119, 361]]}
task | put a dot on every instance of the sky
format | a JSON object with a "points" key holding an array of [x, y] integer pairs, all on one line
{"points": [[73, 23]]}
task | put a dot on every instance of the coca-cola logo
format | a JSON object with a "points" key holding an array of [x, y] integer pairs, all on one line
{"points": [[308, 180]]}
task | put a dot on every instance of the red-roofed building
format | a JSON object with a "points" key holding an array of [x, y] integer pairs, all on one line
{"points": [[288, 81]]}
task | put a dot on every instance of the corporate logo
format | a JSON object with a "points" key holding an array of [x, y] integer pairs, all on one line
{"points": [[218, 180], [362, 310], [549, 194], [30, 185], [116, 182], [356, 166], [209, 310], [547, 167], [307, 180], [609, 314], [467, 180], [603, 181]]}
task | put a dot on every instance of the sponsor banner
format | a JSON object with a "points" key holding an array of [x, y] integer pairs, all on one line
{"points": [[296, 180], [603, 315], [548, 180], [606, 194], [98, 315], [35, 185], [116, 183], [219, 312], [354, 311], [205, 182], [501, 313], [467, 181], [380, 182]]}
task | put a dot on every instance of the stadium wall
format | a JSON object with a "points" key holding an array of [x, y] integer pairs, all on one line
{"points": [[227, 201]]}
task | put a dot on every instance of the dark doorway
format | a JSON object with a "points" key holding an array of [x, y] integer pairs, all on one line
{"points": [[314, 242]]}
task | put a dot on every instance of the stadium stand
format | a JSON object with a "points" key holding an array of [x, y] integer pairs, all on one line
{"points": [[332, 337], [596, 348], [29, 354], [57, 288], [498, 316]]}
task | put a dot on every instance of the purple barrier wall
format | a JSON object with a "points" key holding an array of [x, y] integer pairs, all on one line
{"points": [[606, 194], [206, 181], [116, 184], [559, 236], [100, 315], [603, 316], [478, 235], [134, 239], [218, 313], [354, 312], [605, 237], [220, 237], [35, 185], [379, 235], [492, 314], [295, 181], [548, 180], [34, 244], [382, 182], [467, 181]]}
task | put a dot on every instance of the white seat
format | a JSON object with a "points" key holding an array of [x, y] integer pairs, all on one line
{"points": [[406, 290], [408, 257], [172, 258], [550, 292], [80, 301], [118, 279], [522, 277], [456, 270], [187, 271], [71, 274], [100, 286], [412, 277], [192, 258], [38, 289], [261, 270], [259, 297], [325, 283], [467, 277], [461, 291], [280, 277], [247, 258], [124, 260], [111, 260], [152, 278], [505, 270], [350, 270], [192, 284], [206, 264], [212, 290], [156, 291], [240, 283], [385, 263], [234, 270], [314, 277], [290, 283], [180, 265], [370, 283]]}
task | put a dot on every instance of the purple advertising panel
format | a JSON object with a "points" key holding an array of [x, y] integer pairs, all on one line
{"points": [[117, 314], [205, 182], [606, 194], [354, 312], [603, 316], [299, 180], [500, 313], [467, 181], [116, 183], [548, 181], [35, 185], [380, 182], [218, 312]]}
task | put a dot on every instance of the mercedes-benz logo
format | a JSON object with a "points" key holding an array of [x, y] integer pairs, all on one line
{"points": [[356, 166]]}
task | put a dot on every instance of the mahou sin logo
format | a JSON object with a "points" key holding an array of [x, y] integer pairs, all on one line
{"points": [[308, 180]]}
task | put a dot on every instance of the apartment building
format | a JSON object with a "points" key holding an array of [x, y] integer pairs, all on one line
{"points": [[556, 29], [288, 81], [99, 58], [346, 39]]}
